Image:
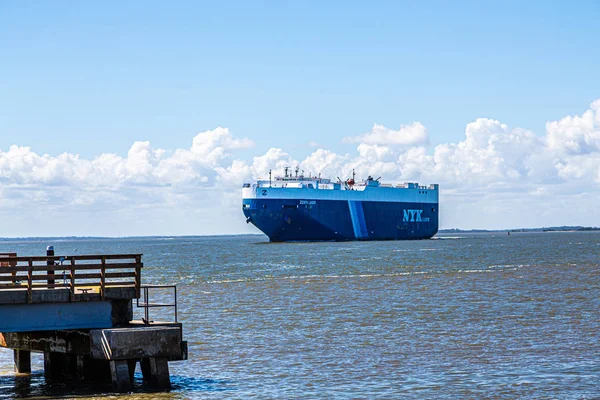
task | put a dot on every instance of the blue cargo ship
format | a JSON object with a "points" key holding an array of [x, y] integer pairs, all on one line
{"points": [[300, 208]]}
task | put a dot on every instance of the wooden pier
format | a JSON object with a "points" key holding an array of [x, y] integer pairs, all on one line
{"points": [[78, 311]]}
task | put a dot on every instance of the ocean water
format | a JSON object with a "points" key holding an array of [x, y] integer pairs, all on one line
{"points": [[466, 316]]}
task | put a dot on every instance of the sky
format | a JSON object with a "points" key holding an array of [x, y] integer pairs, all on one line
{"points": [[145, 117]]}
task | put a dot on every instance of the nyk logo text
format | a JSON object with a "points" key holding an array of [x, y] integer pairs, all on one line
{"points": [[414, 216]]}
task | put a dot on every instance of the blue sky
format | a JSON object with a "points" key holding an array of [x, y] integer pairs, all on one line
{"points": [[88, 78]]}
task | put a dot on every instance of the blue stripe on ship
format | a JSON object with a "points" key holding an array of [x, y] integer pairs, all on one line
{"points": [[358, 219]]}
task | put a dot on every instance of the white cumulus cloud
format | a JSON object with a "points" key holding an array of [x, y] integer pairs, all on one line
{"points": [[413, 134], [578, 134], [497, 176]]}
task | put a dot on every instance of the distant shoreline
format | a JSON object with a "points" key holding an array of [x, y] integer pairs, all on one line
{"points": [[546, 229]]}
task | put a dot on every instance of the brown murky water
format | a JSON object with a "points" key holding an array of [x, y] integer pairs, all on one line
{"points": [[467, 316]]}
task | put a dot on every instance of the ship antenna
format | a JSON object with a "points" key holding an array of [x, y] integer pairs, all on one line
{"points": [[297, 169], [353, 174], [286, 170], [269, 178]]}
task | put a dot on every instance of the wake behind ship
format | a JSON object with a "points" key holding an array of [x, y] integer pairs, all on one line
{"points": [[299, 208]]}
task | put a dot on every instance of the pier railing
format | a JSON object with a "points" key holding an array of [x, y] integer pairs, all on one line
{"points": [[79, 274], [168, 292]]}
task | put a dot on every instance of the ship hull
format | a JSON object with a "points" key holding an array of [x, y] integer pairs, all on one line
{"points": [[284, 220]]}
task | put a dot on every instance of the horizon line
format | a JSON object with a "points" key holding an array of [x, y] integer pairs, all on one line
{"points": [[445, 230]]}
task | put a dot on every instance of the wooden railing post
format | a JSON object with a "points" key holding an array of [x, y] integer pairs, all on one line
{"points": [[72, 285], [103, 278], [29, 280], [138, 275], [50, 262]]}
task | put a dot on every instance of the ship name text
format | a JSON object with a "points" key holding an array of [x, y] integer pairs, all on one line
{"points": [[414, 216]]}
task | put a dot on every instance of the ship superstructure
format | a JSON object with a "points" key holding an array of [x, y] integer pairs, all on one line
{"points": [[300, 208]]}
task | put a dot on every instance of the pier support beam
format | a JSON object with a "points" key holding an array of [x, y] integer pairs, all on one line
{"points": [[155, 371], [97, 370], [131, 364], [79, 367], [59, 366], [22, 361], [50, 359], [121, 378]]}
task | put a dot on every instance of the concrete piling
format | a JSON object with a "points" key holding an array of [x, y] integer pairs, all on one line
{"points": [[120, 375], [22, 361], [155, 371], [97, 370], [59, 366]]}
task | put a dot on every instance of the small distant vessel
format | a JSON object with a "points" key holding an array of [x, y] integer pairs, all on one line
{"points": [[299, 208]]}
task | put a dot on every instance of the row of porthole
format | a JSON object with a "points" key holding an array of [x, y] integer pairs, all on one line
{"points": [[422, 192]]}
